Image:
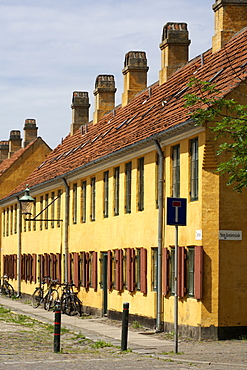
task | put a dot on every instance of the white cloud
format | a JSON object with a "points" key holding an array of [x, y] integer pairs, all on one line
{"points": [[51, 48]]}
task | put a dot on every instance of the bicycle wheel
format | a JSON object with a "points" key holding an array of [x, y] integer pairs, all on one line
{"points": [[9, 289], [66, 305], [37, 297], [76, 306], [50, 299], [3, 290]]}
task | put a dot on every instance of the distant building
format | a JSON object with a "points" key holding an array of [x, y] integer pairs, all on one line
{"points": [[108, 181]]}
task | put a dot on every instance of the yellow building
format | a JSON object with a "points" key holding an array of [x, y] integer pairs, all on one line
{"points": [[104, 191]]}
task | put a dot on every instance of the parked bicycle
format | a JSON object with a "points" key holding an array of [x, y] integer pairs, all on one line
{"points": [[49, 297], [6, 288], [70, 303]]}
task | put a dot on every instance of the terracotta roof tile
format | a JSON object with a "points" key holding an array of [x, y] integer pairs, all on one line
{"points": [[150, 112]]}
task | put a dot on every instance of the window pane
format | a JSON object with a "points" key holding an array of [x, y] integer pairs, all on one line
{"points": [[191, 272], [93, 190], [194, 170], [176, 171], [106, 194], [154, 268], [116, 191], [141, 184], [128, 188], [83, 201]]}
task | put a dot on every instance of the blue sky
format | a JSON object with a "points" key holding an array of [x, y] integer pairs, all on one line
{"points": [[51, 48]]}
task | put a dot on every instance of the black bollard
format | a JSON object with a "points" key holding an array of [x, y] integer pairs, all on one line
{"points": [[57, 327], [125, 321]]}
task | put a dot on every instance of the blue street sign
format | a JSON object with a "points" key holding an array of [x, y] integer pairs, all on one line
{"points": [[176, 211]]}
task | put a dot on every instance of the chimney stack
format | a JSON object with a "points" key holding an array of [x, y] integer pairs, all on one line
{"points": [[230, 17], [4, 150], [174, 49], [80, 110], [135, 75], [104, 96], [30, 131], [14, 142]]}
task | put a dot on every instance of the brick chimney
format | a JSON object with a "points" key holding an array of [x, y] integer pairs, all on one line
{"points": [[174, 49], [104, 96], [4, 150], [14, 142], [80, 110], [135, 75], [230, 17], [30, 131]]}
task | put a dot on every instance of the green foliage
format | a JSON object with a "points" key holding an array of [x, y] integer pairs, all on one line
{"points": [[101, 344], [136, 325], [229, 121]]}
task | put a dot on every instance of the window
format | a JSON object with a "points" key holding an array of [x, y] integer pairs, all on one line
{"points": [[4, 222], [46, 210], [74, 203], [83, 201], [7, 223], [190, 269], [194, 170], [15, 220], [106, 194], [11, 220], [128, 170], [154, 268], [138, 269], [141, 184], [41, 215], [59, 192], [34, 213], [52, 209], [172, 271], [116, 190], [93, 195], [176, 171], [157, 181]]}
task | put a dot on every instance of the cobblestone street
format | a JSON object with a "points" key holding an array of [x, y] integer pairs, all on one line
{"points": [[92, 343]]}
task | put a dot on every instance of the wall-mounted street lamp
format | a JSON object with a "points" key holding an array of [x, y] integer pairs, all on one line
{"points": [[26, 202], [25, 208]]}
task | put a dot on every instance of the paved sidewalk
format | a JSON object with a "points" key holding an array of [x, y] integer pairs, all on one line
{"points": [[208, 354]]}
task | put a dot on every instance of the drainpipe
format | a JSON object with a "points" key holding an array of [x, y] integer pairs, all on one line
{"points": [[19, 230], [66, 228], [160, 235]]}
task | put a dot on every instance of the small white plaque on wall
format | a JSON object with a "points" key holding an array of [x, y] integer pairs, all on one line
{"points": [[230, 235], [198, 234]]}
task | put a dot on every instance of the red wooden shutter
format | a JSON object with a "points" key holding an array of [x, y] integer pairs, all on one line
{"points": [[58, 267], [15, 266], [198, 272], [165, 264], [76, 269], [109, 270], [128, 263], [132, 271], [34, 268], [117, 282], [94, 272], [69, 268], [83, 269], [143, 265], [47, 265], [120, 269], [87, 270], [181, 272]]}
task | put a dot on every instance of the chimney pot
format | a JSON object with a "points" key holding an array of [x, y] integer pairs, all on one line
{"points": [[230, 16], [135, 75], [14, 142], [30, 131], [104, 96], [80, 110], [174, 49]]}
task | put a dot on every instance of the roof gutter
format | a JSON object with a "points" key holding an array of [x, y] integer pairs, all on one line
{"points": [[131, 147]]}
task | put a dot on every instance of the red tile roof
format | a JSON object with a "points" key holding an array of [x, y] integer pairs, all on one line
{"points": [[151, 112]]}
